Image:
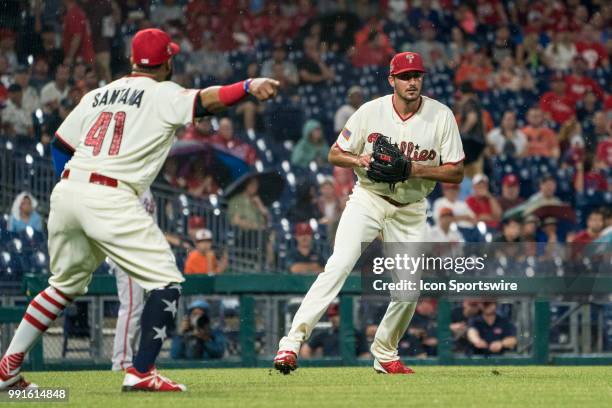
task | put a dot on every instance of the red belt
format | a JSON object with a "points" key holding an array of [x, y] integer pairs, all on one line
{"points": [[393, 202], [96, 178]]}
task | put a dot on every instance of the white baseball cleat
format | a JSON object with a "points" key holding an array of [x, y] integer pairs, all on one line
{"points": [[16, 382]]}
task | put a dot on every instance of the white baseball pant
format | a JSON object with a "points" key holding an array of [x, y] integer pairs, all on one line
{"points": [[127, 330], [365, 216]]}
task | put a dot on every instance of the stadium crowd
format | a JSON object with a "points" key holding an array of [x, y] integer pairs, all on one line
{"points": [[529, 82]]}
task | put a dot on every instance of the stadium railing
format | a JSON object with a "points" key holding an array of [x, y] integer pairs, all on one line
{"points": [[247, 287]]}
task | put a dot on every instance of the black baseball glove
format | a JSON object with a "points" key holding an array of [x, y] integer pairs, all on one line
{"points": [[388, 165]]}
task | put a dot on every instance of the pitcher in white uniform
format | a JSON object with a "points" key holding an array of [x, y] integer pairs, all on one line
{"points": [[427, 133], [118, 138]]}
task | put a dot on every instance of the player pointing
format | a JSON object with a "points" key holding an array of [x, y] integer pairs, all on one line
{"points": [[389, 197], [116, 140]]}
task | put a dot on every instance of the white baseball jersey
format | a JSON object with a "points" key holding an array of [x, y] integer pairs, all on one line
{"points": [[428, 137], [125, 129]]}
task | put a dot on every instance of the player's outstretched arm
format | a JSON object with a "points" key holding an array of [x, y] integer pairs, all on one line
{"points": [[218, 98]]}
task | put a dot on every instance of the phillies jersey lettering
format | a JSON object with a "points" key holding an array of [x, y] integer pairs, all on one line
{"points": [[125, 129], [429, 137]]}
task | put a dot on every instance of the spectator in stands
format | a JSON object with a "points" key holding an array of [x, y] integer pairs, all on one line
{"points": [[490, 333], [462, 214], [510, 193], [442, 231], [507, 139], [546, 193], [311, 68], [571, 141], [16, 120], [476, 70], [470, 118], [422, 13], [225, 137], [208, 61], [246, 210], [327, 342], [196, 339], [200, 182], [40, 75], [354, 100], [491, 13], [578, 83], [423, 327], [482, 203], [530, 54], [312, 147], [529, 228], [30, 99], [556, 104], [344, 180], [202, 260], [586, 109], [329, 207], [77, 42], [57, 89], [49, 50], [166, 12], [511, 231], [433, 52], [341, 39], [603, 152], [460, 316], [541, 140], [458, 47], [306, 206], [24, 214], [7, 48], [503, 46], [595, 224], [376, 51], [590, 47], [102, 23], [304, 259], [512, 77], [560, 51], [287, 74], [590, 175], [600, 130]]}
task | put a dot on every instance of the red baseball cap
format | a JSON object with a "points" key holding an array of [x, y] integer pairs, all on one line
{"points": [[303, 228], [510, 180], [445, 211], [152, 47], [406, 61], [196, 222]]}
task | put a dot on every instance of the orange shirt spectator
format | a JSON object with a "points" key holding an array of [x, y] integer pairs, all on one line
{"points": [[475, 70], [202, 260], [541, 140], [77, 31]]}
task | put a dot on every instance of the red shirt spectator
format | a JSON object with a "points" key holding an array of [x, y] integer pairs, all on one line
{"points": [[475, 70], [556, 104], [595, 224], [604, 151], [490, 12], [578, 86], [482, 203], [375, 51], [590, 47], [76, 26], [226, 138]]}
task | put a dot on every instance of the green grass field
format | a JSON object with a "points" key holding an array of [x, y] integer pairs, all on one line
{"points": [[489, 387]]}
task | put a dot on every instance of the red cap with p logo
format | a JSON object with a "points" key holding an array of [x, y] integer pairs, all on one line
{"points": [[152, 47], [406, 61]]}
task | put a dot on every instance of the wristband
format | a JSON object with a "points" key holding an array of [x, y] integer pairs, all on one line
{"points": [[247, 85], [231, 94]]}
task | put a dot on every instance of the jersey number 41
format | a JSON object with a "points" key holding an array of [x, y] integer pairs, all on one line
{"points": [[97, 133]]}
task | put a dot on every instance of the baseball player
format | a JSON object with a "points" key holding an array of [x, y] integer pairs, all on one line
{"points": [[116, 140], [131, 303], [389, 197]]}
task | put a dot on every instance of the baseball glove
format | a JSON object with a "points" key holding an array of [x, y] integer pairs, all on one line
{"points": [[388, 164]]}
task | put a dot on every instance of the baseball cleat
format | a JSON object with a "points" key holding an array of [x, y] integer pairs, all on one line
{"points": [[392, 367], [150, 381], [16, 382], [285, 361]]}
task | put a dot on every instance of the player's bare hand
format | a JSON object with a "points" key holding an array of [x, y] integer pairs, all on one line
{"points": [[364, 160], [263, 88]]}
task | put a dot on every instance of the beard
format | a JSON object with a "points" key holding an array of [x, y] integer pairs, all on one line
{"points": [[407, 98]]}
